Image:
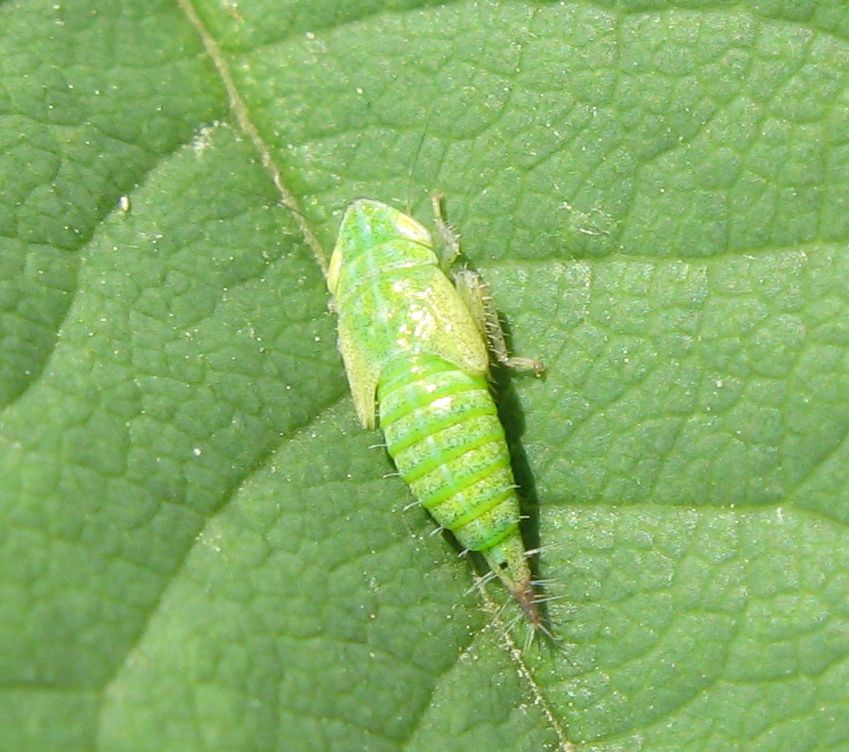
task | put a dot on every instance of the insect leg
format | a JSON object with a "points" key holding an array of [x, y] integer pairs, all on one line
{"points": [[449, 241], [475, 294]]}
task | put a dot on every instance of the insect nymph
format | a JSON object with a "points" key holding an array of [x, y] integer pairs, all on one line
{"points": [[414, 344]]}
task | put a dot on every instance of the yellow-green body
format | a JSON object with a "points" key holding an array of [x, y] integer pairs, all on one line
{"points": [[414, 352]]}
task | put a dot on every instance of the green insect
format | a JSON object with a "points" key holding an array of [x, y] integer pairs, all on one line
{"points": [[415, 351]]}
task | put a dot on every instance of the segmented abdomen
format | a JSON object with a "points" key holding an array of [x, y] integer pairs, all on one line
{"points": [[443, 432]]}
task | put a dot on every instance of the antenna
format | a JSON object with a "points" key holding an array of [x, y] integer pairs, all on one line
{"points": [[416, 158]]}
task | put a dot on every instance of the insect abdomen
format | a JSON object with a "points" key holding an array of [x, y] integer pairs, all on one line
{"points": [[443, 432]]}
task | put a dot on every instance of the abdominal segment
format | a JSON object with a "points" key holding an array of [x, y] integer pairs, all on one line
{"points": [[443, 432]]}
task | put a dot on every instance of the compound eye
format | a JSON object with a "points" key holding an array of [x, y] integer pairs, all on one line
{"points": [[333, 270], [409, 228]]}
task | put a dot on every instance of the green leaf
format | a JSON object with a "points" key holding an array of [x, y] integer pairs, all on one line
{"points": [[198, 549]]}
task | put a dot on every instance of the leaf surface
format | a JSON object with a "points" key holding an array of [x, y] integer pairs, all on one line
{"points": [[199, 549]]}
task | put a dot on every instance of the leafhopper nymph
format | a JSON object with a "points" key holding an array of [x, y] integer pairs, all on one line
{"points": [[415, 346]]}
